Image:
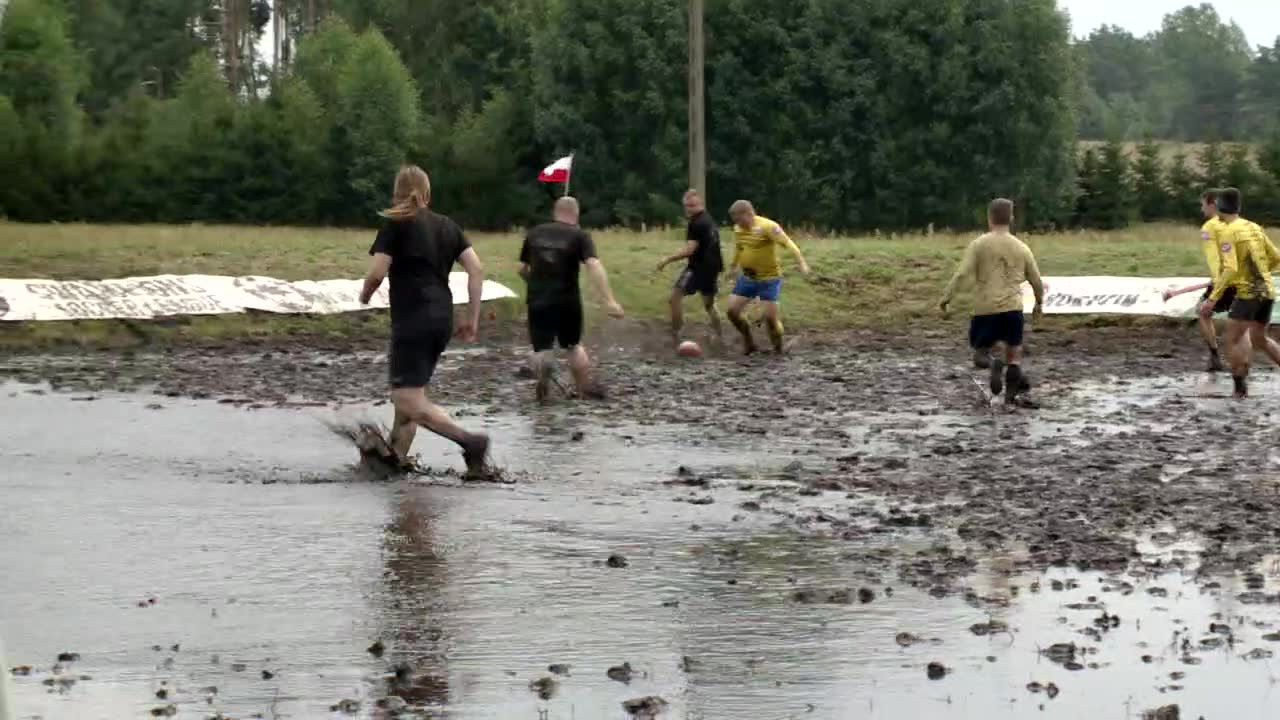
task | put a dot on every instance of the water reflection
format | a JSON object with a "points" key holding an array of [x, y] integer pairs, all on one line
{"points": [[416, 572]]}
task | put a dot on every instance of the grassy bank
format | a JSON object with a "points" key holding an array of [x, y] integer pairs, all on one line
{"points": [[858, 282]]}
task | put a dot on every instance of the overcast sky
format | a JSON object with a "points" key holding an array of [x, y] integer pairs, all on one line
{"points": [[1260, 19]]}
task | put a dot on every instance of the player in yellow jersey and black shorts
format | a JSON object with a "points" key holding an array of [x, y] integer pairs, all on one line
{"points": [[1248, 259], [1212, 246], [755, 257]]}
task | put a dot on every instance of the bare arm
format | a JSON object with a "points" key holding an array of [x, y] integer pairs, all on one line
{"points": [[780, 237], [688, 251], [600, 278], [378, 268], [470, 261], [1033, 277]]}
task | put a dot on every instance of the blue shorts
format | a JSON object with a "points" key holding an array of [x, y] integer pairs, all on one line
{"points": [[767, 290], [987, 330]]}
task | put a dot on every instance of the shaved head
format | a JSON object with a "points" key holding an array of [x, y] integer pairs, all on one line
{"points": [[566, 210], [742, 213]]}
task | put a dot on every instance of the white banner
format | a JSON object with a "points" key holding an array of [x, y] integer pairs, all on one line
{"points": [[165, 295], [1103, 295]]}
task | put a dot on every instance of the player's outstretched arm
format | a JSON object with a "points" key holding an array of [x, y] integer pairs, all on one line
{"points": [[600, 278], [780, 236], [964, 270]]}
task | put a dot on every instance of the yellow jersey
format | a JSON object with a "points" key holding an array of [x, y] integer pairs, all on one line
{"points": [[1248, 258], [1211, 244], [756, 248]]}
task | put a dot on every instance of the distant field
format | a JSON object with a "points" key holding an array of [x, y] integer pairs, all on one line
{"points": [[1169, 149], [859, 282]]}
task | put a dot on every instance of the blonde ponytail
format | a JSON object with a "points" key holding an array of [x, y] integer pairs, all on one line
{"points": [[412, 193]]}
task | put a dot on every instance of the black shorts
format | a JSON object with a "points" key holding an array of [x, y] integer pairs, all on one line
{"points": [[552, 324], [413, 356], [987, 330], [702, 283], [1256, 311], [1224, 303]]}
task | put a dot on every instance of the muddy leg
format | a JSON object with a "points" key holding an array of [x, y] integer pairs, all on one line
{"points": [[403, 431], [1014, 381], [1238, 351], [713, 315], [737, 304], [580, 368], [414, 405], [677, 314], [1210, 335], [773, 324]]}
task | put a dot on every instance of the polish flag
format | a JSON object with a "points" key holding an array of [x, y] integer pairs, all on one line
{"points": [[558, 171]]}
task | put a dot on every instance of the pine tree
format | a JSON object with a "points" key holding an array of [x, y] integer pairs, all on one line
{"points": [[1152, 195]]}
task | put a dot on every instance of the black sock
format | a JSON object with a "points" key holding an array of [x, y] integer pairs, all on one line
{"points": [[1213, 351], [1014, 380], [1241, 387]]}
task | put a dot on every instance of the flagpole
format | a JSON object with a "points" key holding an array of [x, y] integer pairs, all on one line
{"points": [[568, 178]]}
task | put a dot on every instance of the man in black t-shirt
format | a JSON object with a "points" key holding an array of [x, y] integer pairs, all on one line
{"points": [[549, 262], [418, 248], [702, 248]]}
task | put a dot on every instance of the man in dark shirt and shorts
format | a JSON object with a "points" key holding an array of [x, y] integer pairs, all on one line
{"points": [[418, 248], [549, 262], [701, 276]]}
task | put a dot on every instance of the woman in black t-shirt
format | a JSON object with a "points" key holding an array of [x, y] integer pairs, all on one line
{"points": [[418, 248]]}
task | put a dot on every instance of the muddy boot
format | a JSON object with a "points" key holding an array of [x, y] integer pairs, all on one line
{"points": [[1215, 362], [475, 453], [1014, 382], [1242, 387], [981, 359], [997, 376], [593, 391], [542, 390]]}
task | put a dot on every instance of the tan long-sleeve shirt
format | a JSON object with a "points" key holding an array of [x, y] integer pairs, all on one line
{"points": [[998, 263]]}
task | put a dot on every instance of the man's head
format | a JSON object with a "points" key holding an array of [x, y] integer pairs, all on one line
{"points": [[1229, 202], [566, 210], [1000, 213], [693, 203], [742, 213], [1209, 204]]}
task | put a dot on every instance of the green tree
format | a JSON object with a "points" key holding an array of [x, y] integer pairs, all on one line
{"points": [[1151, 195], [378, 119], [1107, 198], [40, 70], [1261, 98], [1212, 166], [1207, 60], [608, 84], [1185, 188]]}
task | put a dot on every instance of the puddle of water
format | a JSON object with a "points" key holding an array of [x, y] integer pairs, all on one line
{"points": [[479, 589]]}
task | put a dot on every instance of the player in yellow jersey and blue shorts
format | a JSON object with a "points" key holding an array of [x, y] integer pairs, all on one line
{"points": [[1212, 246], [759, 271], [1248, 259]]}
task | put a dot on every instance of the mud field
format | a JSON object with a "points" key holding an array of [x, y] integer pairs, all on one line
{"points": [[851, 531]]}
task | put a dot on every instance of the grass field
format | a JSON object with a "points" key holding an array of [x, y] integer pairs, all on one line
{"points": [[858, 282]]}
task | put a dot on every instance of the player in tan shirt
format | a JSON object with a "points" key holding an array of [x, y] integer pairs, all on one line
{"points": [[998, 263]]}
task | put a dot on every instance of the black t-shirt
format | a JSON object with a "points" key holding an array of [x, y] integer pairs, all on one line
{"points": [[554, 251], [423, 250], [706, 260]]}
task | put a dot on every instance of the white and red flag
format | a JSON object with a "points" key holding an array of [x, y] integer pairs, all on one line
{"points": [[558, 171]]}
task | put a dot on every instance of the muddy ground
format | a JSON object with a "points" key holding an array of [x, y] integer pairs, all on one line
{"points": [[1133, 453], [1074, 482]]}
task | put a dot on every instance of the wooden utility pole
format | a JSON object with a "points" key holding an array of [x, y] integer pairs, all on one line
{"points": [[697, 103]]}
